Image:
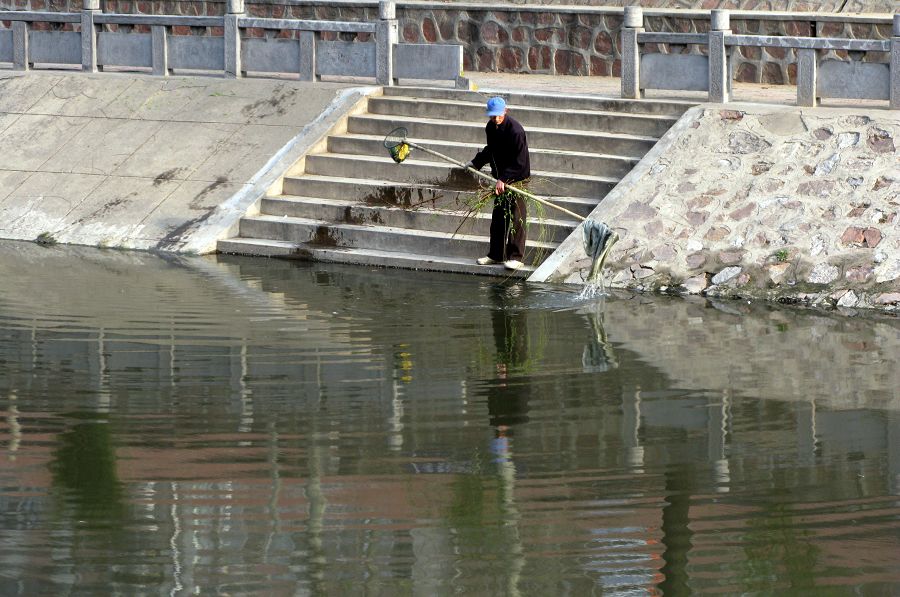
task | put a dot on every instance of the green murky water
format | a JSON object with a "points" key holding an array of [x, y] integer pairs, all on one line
{"points": [[251, 427]]}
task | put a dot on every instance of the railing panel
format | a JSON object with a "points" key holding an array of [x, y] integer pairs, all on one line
{"points": [[301, 25], [39, 17], [345, 58], [427, 61], [812, 43], [270, 55], [196, 53], [687, 72], [125, 49], [853, 80], [673, 38], [6, 46], [150, 20], [54, 47]]}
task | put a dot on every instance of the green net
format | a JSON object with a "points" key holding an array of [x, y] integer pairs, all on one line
{"points": [[396, 144]]}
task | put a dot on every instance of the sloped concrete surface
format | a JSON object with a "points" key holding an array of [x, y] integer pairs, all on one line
{"points": [[787, 204], [139, 162]]}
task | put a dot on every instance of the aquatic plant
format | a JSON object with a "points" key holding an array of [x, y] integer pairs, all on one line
{"points": [[485, 195], [45, 238]]}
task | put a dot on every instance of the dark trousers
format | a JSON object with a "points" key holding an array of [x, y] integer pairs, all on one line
{"points": [[508, 228]]}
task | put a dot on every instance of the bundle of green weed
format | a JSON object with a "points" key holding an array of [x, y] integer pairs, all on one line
{"points": [[486, 196]]}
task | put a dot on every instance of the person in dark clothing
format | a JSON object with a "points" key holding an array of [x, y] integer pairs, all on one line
{"points": [[507, 153]]}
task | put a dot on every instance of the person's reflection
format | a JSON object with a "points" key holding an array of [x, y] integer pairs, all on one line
{"points": [[508, 408], [676, 530], [508, 401]]}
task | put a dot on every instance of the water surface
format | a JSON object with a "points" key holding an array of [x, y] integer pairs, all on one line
{"points": [[173, 426]]}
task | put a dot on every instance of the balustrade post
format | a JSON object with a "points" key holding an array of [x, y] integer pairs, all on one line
{"points": [[631, 52], [308, 56], [807, 77], [385, 37], [233, 38], [719, 75], [90, 8], [895, 65], [159, 41], [21, 58]]}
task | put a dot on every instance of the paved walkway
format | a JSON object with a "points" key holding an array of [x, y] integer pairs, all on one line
{"points": [[611, 86]]}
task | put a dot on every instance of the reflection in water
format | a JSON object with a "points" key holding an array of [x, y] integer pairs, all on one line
{"points": [[508, 403], [84, 469], [247, 426], [508, 407], [598, 355], [676, 530]]}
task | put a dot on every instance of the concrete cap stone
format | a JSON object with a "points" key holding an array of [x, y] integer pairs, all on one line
{"points": [[719, 20], [387, 10], [634, 17]]}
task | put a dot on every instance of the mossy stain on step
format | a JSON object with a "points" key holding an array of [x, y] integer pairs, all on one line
{"points": [[390, 196], [325, 237], [350, 217]]}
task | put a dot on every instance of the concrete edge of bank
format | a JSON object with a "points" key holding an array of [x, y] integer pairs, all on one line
{"points": [[775, 203], [558, 265], [200, 236]]}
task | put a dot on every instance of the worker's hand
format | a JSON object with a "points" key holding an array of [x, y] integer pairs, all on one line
{"points": [[500, 188], [469, 165]]}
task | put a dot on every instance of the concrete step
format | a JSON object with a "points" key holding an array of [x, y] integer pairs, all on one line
{"points": [[651, 125], [550, 228], [353, 204], [380, 125], [326, 234], [554, 160], [289, 250], [548, 184], [411, 196], [559, 102]]}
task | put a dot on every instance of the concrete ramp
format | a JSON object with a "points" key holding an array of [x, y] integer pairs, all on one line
{"points": [[139, 162]]}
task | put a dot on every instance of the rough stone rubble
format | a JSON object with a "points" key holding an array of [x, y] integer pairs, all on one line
{"points": [[782, 204]]}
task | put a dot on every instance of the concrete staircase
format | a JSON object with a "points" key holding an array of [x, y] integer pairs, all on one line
{"points": [[353, 204]]}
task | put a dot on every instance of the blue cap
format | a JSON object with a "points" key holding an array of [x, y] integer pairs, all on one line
{"points": [[496, 106]]}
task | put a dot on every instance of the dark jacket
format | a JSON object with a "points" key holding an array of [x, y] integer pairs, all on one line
{"points": [[506, 151]]}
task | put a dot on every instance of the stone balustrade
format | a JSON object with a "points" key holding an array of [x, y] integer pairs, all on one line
{"points": [[152, 42], [840, 55], [817, 77], [548, 36]]}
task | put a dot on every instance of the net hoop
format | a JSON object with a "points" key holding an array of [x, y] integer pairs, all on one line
{"points": [[395, 137]]}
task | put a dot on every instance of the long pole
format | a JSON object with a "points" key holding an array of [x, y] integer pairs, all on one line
{"points": [[525, 194]]}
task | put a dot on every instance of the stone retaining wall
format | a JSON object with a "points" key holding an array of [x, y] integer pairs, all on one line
{"points": [[508, 37], [783, 204]]}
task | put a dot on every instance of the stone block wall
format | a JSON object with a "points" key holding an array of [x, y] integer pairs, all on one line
{"points": [[587, 42], [769, 203], [551, 39]]}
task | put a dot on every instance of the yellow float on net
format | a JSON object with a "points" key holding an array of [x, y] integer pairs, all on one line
{"points": [[400, 152]]}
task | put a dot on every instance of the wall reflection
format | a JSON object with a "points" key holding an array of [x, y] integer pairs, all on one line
{"points": [[284, 427]]}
